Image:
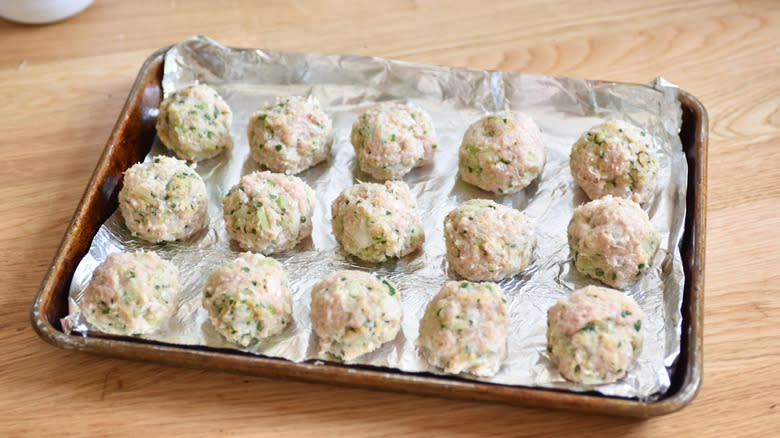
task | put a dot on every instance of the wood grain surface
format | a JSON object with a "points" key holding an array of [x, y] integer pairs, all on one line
{"points": [[63, 85]]}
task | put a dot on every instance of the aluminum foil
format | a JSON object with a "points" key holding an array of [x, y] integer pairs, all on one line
{"points": [[455, 97]]}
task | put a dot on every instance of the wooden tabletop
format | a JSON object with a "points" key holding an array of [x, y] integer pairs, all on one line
{"points": [[63, 85]]}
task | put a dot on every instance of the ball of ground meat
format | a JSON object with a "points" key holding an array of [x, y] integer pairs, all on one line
{"points": [[354, 313], [390, 139], [465, 328], [502, 152], [131, 293], [615, 158], [248, 299], [290, 135], [612, 240], [488, 241], [268, 212], [377, 222], [194, 122], [163, 200], [594, 335]]}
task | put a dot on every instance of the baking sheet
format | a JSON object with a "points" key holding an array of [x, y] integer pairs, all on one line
{"points": [[563, 107]]}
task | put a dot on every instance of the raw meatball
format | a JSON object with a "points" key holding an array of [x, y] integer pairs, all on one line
{"points": [[268, 212], [163, 200], [390, 139], [290, 135], [354, 313], [248, 299], [376, 222], [488, 241], [612, 240], [131, 293], [502, 152], [615, 158], [465, 328], [195, 123], [594, 335]]}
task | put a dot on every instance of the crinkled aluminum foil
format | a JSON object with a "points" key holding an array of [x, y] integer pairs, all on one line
{"points": [[455, 97]]}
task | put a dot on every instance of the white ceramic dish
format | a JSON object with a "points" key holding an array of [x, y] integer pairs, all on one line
{"points": [[41, 11]]}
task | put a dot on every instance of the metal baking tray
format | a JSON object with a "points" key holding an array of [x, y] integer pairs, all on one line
{"points": [[131, 140]]}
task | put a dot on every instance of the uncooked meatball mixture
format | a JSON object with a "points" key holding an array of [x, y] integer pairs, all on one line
{"points": [[131, 293], [390, 139], [615, 158], [465, 328], [488, 241], [612, 240], [290, 134], [268, 212], [248, 299], [594, 335], [502, 152], [377, 222], [194, 122], [163, 200], [354, 313]]}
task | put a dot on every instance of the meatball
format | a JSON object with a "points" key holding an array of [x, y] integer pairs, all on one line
{"points": [[465, 328], [290, 135], [502, 152], [612, 240], [131, 293], [488, 241], [195, 123], [390, 139], [354, 313], [248, 299], [615, 158], [377, 222], [163, 200], [268, 212], [594, 335]]}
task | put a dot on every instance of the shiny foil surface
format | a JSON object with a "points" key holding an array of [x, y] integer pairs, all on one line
{"points": [[564, 108]]}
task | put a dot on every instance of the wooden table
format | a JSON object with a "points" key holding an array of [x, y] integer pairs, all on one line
{"points": [[64, 84]]}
